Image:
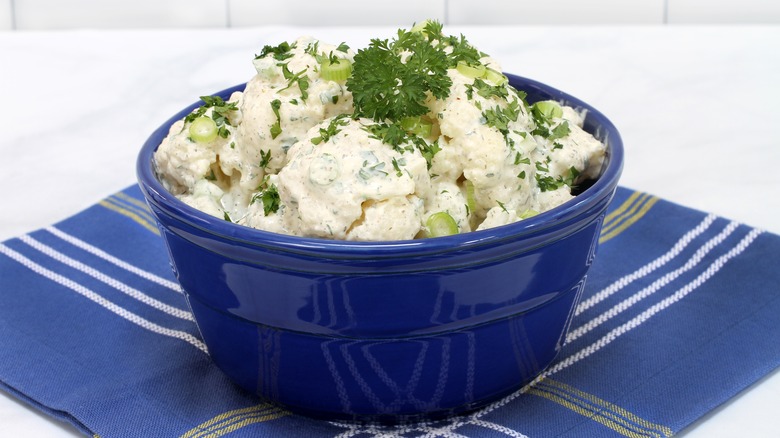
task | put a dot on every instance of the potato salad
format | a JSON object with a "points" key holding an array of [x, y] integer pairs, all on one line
{"points": [[412, 137]]}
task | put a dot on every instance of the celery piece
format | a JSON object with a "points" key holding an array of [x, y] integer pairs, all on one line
{"points": [[335, 69], [441, 224]]}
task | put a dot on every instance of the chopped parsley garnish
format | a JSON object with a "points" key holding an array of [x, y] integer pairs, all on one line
{"points": [[428, 150], [543, 117], [368, 171], [486, 90], [390, 133], [312, 49], [395, 135], [276, 128], [219, 111], [331, 130], [560, 131], [500, 118], [299, 78], [397, 167], [279, 53], [265, 158], [462, 51], [269, 196], [548, 183], [573, 175], [333, 59], [519, 159]]}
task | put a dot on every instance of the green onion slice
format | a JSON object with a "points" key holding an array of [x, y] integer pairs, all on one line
{"points": [[471, 71], [495, 77], [441, 224], [203, 129], [266, 67], [549, 109], [528, 213], [335, 71], [420, 27], [471, 200], [417, 125]]}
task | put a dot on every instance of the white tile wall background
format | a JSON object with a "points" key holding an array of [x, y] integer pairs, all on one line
{"points": [[736, 11], [555, 12], [6, 15], [322, 12], [66, 14], [74, 14]]}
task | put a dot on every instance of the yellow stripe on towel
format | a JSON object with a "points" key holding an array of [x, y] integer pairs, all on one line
{"points": [[608, 414], [628, 208], [623, 207], [231, 421], [127, 198], [134, 205], [632, 209], [113, 206]]}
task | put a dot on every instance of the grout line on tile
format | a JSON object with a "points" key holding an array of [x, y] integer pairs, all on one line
{"points": [[13, 15], [666, 12]]}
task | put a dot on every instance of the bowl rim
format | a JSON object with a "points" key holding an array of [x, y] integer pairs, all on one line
{"points": [[158, 196]]}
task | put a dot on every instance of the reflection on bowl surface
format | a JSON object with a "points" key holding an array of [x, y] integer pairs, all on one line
{"points": [[386, 331]]}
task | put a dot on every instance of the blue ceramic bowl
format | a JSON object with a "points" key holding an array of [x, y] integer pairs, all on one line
{"points": [[386, 331]]}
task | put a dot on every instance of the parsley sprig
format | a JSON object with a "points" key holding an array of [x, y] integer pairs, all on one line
{"points": [[392, 79]]}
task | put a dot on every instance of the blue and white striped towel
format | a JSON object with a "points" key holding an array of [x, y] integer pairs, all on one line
{"points": [[680, 313]]}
